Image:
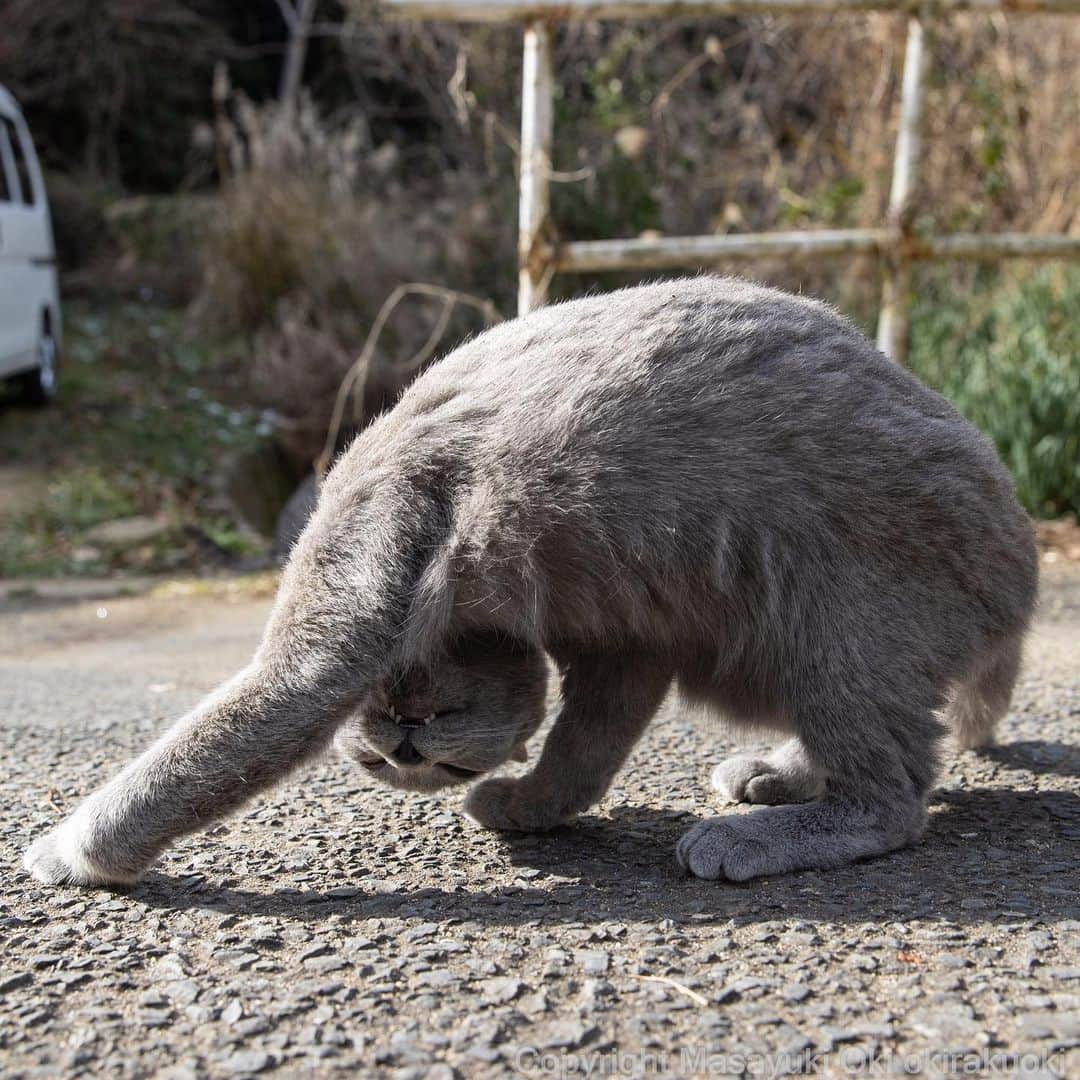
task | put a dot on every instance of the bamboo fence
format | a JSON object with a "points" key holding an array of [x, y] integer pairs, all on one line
{"points": [[895, 243]]}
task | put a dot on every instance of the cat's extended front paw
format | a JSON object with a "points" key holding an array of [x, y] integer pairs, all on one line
{"points": [[62, 857], [716, 848], [508, 804]]}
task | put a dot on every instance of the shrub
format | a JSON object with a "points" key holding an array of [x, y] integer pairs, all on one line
{"points": [[1009, 359]]}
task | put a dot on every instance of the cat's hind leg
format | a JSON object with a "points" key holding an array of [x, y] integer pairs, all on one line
{"points": [[879, 769], [981, 700], [783, 775]]}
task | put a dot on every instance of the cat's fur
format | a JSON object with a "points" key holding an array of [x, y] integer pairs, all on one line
{"points": [[701, 481]]}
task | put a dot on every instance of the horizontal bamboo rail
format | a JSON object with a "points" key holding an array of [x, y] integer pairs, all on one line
{"points": [[672, 253], [896, 244], [975, 246]]}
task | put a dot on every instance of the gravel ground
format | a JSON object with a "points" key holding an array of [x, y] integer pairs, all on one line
{"points": [[338, 927]]}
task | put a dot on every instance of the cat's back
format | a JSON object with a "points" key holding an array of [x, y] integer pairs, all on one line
{"points": [[659, 338], [691, 366], [701, 346], [692, 388]]}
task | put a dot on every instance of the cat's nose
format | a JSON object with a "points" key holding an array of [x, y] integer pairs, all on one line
{"points": [[406, 753]]}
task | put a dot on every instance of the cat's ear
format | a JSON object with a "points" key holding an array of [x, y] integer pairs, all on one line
{"points": [[520, 753]]}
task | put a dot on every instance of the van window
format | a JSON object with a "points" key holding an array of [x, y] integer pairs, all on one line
{"points": [[5, 184], [22, 167]]}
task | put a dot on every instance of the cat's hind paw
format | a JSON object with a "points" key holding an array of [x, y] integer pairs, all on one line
{"points": [[715, 849], [810, 836], [737, 777], [506, 804]]}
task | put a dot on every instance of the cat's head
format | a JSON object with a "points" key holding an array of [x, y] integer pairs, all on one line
{"points": [[448, 723]]}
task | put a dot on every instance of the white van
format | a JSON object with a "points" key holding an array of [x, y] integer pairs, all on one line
{"points": [[29, 298]]}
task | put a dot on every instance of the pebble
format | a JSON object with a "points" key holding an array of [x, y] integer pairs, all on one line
{"points": [[45, 960], [232, 1012], [594, 962], [565, 1034], [501, 990], [245, 1062], [439, 977]]}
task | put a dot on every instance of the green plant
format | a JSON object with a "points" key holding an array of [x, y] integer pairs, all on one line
{"points": [[226, 535], [1010, 361], [150, 427], [85, 497]]}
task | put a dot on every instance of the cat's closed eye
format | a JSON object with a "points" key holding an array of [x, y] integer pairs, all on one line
{"points": [[400, 717]]}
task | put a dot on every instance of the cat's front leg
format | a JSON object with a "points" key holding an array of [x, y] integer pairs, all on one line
{"points": [[319, 654], [512, 804], [239, 741], [608, 700]]}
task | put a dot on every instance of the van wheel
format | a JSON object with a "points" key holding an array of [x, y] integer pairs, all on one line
{"points": [[39, 385]]}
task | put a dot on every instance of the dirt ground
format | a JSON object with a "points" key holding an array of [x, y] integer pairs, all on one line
{"points": [[338, 927]]}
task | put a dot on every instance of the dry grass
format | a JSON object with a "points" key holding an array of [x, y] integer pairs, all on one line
{"points": [[305, 248]]}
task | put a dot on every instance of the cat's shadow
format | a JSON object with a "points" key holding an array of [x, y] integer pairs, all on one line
{"points": [[1037, 756], [988, 854]]}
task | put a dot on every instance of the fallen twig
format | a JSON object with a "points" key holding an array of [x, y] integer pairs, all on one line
{"points": [[693, 995]]}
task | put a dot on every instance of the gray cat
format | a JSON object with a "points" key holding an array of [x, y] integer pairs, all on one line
{"points": [[700, 482]]}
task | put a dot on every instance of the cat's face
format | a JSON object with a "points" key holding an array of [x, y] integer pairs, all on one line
{"points": [[448, 724]]}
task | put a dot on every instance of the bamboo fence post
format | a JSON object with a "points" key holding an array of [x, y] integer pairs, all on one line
{"points": [[892, 330], [536, 132]]}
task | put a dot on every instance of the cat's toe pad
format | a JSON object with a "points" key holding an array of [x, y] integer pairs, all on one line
{"points": [[716, 848], [505, 804]]}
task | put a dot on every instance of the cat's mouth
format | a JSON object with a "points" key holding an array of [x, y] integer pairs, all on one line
{"points": [[458, 771]]}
